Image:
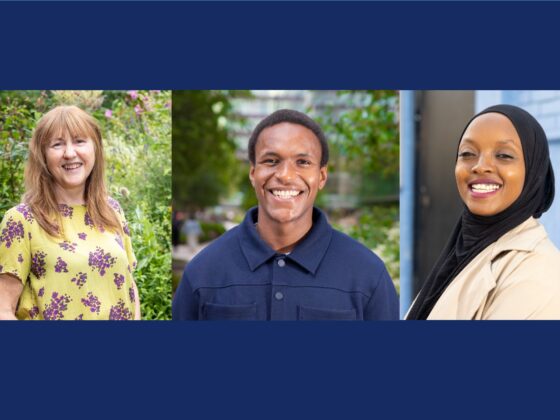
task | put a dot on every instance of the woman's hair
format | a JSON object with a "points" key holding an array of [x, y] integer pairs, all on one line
{"points": [[39, 182]]}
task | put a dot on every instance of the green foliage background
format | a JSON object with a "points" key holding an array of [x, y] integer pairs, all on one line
{"points": [[136, 127]]}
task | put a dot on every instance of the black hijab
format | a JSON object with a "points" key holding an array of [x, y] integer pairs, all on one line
{"points": [[473, 233]]}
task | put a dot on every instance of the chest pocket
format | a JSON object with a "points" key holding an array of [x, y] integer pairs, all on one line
{"points": [[315, 314], [220, 312]]}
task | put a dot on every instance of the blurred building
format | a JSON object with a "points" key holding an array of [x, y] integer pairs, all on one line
{"points": [[431, 123]]}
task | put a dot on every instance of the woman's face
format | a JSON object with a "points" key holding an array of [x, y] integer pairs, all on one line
{"points": [[490, 170], [70, 161]]}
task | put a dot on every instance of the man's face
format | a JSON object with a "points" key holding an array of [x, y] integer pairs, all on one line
{"points": [[287, 173]]}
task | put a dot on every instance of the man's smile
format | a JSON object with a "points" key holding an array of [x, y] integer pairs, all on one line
{"points": [[284, 194]]}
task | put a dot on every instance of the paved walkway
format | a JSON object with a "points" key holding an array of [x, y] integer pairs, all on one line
{"points": [[186, 253]]}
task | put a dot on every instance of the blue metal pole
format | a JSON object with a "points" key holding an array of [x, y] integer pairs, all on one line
{"points": [[407, 164]]}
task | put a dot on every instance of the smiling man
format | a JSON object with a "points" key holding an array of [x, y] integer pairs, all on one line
{"points": [[285, 262]]}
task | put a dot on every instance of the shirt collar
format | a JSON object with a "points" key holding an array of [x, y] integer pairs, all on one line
{"points": [[308, 253]]}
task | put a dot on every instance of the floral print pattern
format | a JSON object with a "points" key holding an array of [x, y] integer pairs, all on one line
{"points": [[119, 280], [12, 232], [65, 210], [119, 312], [92, 302], [57, 306], [38, 264], [84, 274], [68, 246], [61, 266], [80, 279], [25, 210], [100, 260]]}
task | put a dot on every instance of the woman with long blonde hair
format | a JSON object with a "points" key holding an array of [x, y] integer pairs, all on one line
{"points": [[66, 251]]}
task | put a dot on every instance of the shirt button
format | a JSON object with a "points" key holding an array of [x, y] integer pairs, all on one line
{"points": [[281, 263], [278, 296]]}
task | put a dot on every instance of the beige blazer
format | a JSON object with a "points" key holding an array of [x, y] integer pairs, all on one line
{"points": [[517, 277]]}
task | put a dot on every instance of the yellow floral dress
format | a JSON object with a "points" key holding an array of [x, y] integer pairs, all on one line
{"points": [[85, 275]]}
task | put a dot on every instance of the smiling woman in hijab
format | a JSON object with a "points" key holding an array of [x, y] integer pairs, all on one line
{"points": [[499, 262]]}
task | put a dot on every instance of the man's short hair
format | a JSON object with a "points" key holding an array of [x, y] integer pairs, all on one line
{"points": [[294, 117]]}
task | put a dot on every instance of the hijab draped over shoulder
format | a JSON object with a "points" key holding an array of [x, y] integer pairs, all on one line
{"points": [[473, 233]]}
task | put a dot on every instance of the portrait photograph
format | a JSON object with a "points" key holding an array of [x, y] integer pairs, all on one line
{"points": [[286, 205], [85, 204], [478, 205]]}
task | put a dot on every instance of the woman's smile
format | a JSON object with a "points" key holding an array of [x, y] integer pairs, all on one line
{"points": [[490, 169]]}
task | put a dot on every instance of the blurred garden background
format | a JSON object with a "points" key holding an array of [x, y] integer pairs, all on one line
{"points": [[136, 129], [211, 188]]}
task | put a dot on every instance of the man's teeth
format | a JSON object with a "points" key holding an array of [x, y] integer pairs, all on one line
{"points": [[285, 194], [485, 187]]}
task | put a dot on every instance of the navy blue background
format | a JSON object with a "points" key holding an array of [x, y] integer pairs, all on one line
{"points": [[279, 370]]}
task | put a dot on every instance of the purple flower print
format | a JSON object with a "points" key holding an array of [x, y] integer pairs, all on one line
{"points": [[68, 246], [65, 210], [82, 236], [119, 241], [100, 260], [119, 280], [26, 211], [61, 266], [33, 312], [58, 304], [41, 292], [79, 317], [88, 221], [12, 231], [92, 302], [38, 264], [119, 312], [79, 279], [131, 294], [114, 204], [126, 230], [20, 258]]}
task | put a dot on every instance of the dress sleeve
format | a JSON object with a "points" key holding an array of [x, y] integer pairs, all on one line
{"points": [[15, 249], [127, 240]]}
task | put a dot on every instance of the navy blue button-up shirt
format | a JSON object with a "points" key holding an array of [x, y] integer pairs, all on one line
{"points": [[328, 276]]}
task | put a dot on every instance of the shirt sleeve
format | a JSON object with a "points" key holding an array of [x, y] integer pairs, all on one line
{"points": [[127, 240], [15, 249], [384, 302], [185, 302]]}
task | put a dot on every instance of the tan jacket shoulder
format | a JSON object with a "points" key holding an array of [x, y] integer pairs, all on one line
{"points": [[517, 277]]}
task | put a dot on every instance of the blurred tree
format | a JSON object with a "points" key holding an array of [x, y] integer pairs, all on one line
{"points": [[204, 162], [368, 134]]}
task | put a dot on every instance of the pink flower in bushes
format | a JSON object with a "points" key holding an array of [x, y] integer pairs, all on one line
{"points": [[108, 113]]}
